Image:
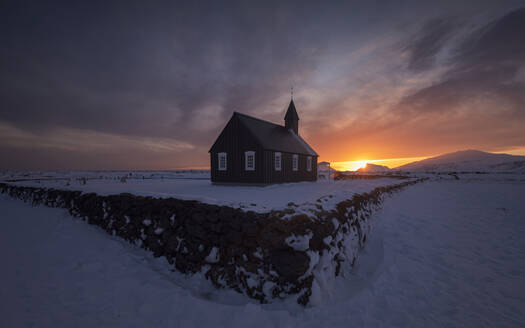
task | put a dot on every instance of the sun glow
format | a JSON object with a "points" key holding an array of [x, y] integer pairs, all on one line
{"points": [[390, 162], [360, 164], [350, 165]]}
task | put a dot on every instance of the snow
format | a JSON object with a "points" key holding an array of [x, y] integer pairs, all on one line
{"points": [[213, 257], [305, 195], [442, 254], [108, 175], [299, 242], [450, 254], [469, 161]]}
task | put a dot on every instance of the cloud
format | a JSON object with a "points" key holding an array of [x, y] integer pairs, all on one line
{"points": [[424, 47], [485, 67], [87, 141], [468, 92], [497, 43], [146, 72]]}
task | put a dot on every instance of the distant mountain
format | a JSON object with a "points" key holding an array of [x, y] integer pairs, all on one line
{"points": [[468, 161], [369, 168]]}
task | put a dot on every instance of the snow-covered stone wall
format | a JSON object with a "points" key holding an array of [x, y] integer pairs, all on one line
{"points": [[263, 255]]}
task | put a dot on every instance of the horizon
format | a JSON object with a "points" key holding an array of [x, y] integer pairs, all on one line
{"points": [[394, 163], [391, 163], [150, 87]]}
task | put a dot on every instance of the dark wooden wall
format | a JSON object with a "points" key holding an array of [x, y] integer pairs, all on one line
{"points": [[234, 140], [287, 174]]}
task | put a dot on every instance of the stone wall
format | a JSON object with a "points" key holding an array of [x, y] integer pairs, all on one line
{"points": [[263, 256]]}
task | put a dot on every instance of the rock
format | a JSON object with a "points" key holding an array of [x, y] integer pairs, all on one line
{"points": [[289, 264], [195, 230], [249, 228], [199, 218], [172, 244], [232, 237], [250, 242], [271, 239]]}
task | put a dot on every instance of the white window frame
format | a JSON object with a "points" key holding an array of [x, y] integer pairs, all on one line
{"points": [[225, 157], [309, 163], [278, 160], [295, 162], [246, 155]]}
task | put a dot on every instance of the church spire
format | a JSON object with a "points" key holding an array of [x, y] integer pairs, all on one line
{"points": [[291, 119]]}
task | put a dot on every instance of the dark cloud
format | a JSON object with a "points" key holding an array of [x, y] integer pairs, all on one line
{"points": [[423, 48], [485, 66], [122, 69], [162, 70], [497, 43]]}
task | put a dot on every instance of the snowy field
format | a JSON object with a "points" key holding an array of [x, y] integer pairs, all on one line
{"points": [[442, 254], [197, 186]]}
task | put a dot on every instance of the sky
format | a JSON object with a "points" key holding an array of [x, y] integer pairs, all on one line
{"points": [[150, 85]]}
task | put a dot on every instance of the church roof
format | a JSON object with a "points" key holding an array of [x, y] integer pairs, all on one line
{"points": [[291, 113], [276, 137]]}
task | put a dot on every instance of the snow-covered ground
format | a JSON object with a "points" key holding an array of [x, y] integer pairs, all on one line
{"points": [[197, 186], [105, 174], [469, 161], [443, 254]]}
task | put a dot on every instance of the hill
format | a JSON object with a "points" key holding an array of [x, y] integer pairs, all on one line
{"points": [[369, 168], [469, 161]]}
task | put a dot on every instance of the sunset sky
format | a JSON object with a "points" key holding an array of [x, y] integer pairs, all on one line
{"points": [[150, 85]]}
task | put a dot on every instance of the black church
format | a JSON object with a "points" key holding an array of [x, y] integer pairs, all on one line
{"points": [[253, 151]]}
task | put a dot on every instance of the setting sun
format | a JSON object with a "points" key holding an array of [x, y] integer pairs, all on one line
{"points": [[390, 163], [349, 165], [360, 164]]}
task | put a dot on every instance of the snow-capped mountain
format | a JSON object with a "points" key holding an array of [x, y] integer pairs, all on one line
{"points": [[469, 161], [369, 168]]}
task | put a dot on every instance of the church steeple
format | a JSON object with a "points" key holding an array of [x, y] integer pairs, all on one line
{"points": [[291, 119]]}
